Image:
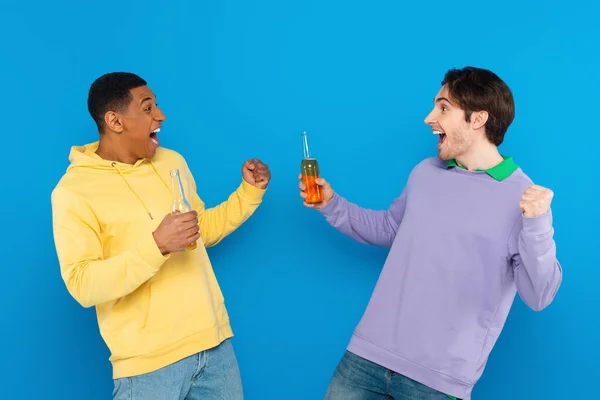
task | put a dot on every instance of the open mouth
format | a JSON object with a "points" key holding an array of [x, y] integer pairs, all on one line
{"points": [[154, 136], [442, 137]]}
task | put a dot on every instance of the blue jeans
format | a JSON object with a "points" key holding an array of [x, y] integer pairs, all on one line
{"points": [[210, 374], [358, 379]]}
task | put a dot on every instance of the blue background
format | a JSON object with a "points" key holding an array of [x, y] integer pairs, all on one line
{"points": [[242, 79]]}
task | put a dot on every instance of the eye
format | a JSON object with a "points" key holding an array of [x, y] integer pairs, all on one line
{"points": [[148, 109]]}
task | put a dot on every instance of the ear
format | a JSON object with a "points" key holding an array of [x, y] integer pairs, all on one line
{"points": [[478, 119], [113, 121]]}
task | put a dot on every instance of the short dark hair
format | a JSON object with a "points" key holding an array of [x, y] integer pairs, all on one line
{"points": [[477, 89], [111, 92]]}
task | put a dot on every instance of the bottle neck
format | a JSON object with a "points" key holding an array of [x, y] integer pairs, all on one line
{"points": [[180, 203], [305, 145], [176, 185]]}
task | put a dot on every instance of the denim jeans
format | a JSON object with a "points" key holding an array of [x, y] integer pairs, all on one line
{"points": [[210, 374], [358, 379]]}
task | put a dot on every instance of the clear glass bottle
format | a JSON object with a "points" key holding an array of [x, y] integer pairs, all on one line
{"points": [[310, 172], [180, 202]]}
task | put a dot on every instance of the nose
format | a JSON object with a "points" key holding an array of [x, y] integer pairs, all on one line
{"points": [[429, 118], [159, 115]]}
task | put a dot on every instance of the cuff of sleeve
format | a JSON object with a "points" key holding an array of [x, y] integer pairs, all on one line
{"points": [[251, 192], [538, 226], [331, 207], [150, 252]]}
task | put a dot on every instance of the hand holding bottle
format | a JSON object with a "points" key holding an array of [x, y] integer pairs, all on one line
{"points": [[315, 191], [180, 204], [325, 190], [176, 232]]}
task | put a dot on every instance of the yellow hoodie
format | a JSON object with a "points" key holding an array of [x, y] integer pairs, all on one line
{"points": [[152, 310]]}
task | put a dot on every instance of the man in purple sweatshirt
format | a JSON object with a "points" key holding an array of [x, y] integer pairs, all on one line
{"points": [[468, 231]]}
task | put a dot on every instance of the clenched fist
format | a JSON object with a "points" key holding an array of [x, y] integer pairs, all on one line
{"points": [[536, 201], [176, 232], [256, 173]]}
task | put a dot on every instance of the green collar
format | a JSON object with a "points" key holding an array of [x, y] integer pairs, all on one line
{"points": [[498, 172]]}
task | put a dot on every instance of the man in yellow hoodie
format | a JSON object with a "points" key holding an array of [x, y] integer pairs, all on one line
{"points": [[160, 309]]}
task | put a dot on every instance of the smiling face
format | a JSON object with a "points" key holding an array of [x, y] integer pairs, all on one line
{"points": [[448, 121], [138, 124]]}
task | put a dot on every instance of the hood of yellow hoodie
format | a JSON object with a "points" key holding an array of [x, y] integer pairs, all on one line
{"points": [[85, 157]]}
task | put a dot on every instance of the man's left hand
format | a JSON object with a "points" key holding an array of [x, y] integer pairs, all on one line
{"points": [[256, 173], [536, 201]]}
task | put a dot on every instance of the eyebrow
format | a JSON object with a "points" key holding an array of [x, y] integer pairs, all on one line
{"points": [[442, 99], [146, 99]]}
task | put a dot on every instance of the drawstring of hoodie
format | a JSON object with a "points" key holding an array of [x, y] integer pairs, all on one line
{"points": [[114, 165], [163, 181]]}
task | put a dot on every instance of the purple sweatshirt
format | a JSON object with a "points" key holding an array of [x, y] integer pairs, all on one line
{"points": [[460, 249]]}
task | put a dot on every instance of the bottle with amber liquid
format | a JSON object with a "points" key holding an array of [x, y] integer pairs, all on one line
{"points": [[180, 202], [310, 172]]}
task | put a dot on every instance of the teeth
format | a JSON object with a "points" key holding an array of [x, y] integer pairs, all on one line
{"points": [[437, 132], [156, 130], [154, 141]]}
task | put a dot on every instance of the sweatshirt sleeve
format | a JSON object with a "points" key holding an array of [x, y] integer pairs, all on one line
{"points": [[374, 227], [538, 273], [90, 278], [219, 221]]}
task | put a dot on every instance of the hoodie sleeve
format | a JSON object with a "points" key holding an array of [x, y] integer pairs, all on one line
{"points": [[219, 221], [538, 274], [90, 278]]}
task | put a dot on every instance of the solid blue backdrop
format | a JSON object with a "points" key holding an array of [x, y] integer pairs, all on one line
{"points": [[242, 79]]}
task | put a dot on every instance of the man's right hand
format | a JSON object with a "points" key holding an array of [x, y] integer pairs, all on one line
{"points": [[176, 232], [325, 188]]}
